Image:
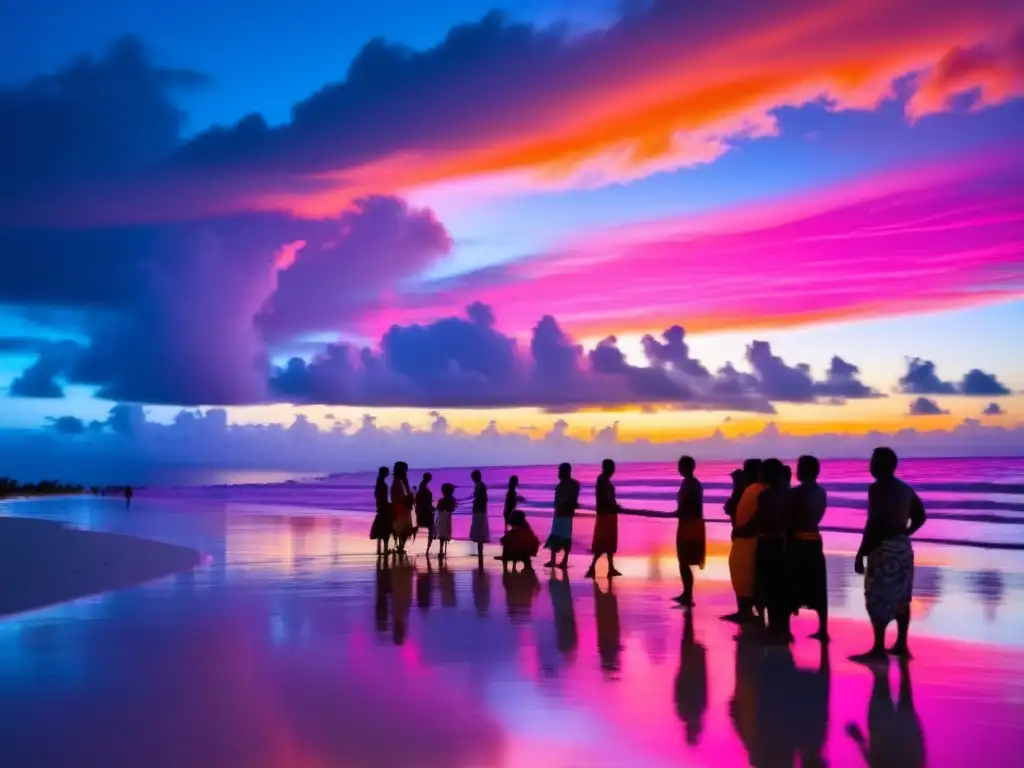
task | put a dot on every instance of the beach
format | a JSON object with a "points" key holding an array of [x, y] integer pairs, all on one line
{"points": [[287, 646]]}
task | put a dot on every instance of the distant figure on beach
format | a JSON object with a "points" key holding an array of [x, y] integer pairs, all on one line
{"points": [[512, 499], [895, 513], [691, 537], [606, 527], [383, 520], [479, 529], [807, 554], [425, 509], [743, 554], [128, 496], [443, 525], [771, 523], [402, 503], [567, 498], [519, 544]]}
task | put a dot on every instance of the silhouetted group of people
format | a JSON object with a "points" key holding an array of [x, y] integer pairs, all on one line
{"points": [[776, 561]]}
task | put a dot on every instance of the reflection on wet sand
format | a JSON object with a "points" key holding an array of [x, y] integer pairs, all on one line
{"points": [[286, 659]]}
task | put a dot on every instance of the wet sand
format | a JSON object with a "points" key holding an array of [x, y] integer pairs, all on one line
{"points": [[43, 562], [290, 647]]}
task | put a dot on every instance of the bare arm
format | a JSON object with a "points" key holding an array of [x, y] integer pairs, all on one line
{"points": [[917, 515]]}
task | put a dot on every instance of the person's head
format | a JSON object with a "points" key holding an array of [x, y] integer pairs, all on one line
{"points": [[807, 469], [447, 489], [382, 473], [517, 518], [427, 477], [513, 482], [564, 471], [883, 463], [687, 466], [787, 475], [752, 470], [475, 475], [772, 472], [607, 467], [738, 478], [401, 469]]}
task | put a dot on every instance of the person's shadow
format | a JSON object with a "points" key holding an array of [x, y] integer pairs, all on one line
{"points": [[894, 737], [778, 709], [691, 692], [609, 632]]}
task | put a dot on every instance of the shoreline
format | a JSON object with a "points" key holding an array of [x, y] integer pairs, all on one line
{"points": [[44, 563]]}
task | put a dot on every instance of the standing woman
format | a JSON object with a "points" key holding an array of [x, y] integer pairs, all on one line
{"points": [[479, 530], [567, 499], [895, 513], [512, 500], [772, 525], [807, 555], [425, 508], [743, 553], [401, 502], [606, 527], [382, 521], [691, 538]]}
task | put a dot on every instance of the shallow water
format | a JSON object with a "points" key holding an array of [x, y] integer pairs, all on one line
{"points": [[291, 649]]}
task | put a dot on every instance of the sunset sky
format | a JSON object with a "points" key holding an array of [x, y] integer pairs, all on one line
{"points": [[679, 217]]}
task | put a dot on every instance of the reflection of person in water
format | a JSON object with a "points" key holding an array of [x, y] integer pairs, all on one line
{"points": [[812, 689], [425, 587], [446, 585], [692, 682], [481, 591], [609, 633], [401, 600], [521, 587], [566, 636], [380, 594], [894, 735]]}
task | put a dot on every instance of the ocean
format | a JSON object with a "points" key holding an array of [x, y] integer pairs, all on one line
{"points": [[974, 501]]}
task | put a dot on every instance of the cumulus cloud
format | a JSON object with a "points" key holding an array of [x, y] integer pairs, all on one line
{"points": [[127, 447], [924, 406], [921, 378], [993, 409], [42, 378]]}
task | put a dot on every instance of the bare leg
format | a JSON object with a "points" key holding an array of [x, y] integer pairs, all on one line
{"points": [[686, 575], [612, 571], [877, 652], [822, 633], [565, 559], [900, 647], [591, 572]]}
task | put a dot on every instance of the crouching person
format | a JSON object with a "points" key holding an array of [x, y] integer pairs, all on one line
{"points": [[520, 544]]}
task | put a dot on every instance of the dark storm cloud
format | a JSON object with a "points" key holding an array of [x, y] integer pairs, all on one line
{"points": [[922, 378]]}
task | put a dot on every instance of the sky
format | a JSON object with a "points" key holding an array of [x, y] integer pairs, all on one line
{"points": [[638, 223]]}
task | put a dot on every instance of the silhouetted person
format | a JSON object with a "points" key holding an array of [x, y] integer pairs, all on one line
{"points": [[609, 632], [521, 587], [772, 523], [425, 509], [443, 525], [402, 503], [567, 499], [807, 553], [895, 513], [691, 538], [895, 738], [512, 500], [479, 528], [691, 691], [128, 496], [606, 526], [519, 544], [481, 591], [743, 552], [739, 485], [383, 519]]}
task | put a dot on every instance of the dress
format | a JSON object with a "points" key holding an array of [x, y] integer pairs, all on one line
{"points": [[691, 537], [806, 552], [743, 555], [425, 509], [567, 496], [479, 529], [443, 524], [382, 521], [401, 502], [606, 527]]}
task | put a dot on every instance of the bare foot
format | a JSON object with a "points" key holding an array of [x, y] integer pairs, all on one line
{"points": [[614, 572], [902, 651], [821, 635], [549, 564], [874, 657], [735, 618], [590, 574], [684, 599]]}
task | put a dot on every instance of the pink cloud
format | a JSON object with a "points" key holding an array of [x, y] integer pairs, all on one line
{"points": [[893, 244]]}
